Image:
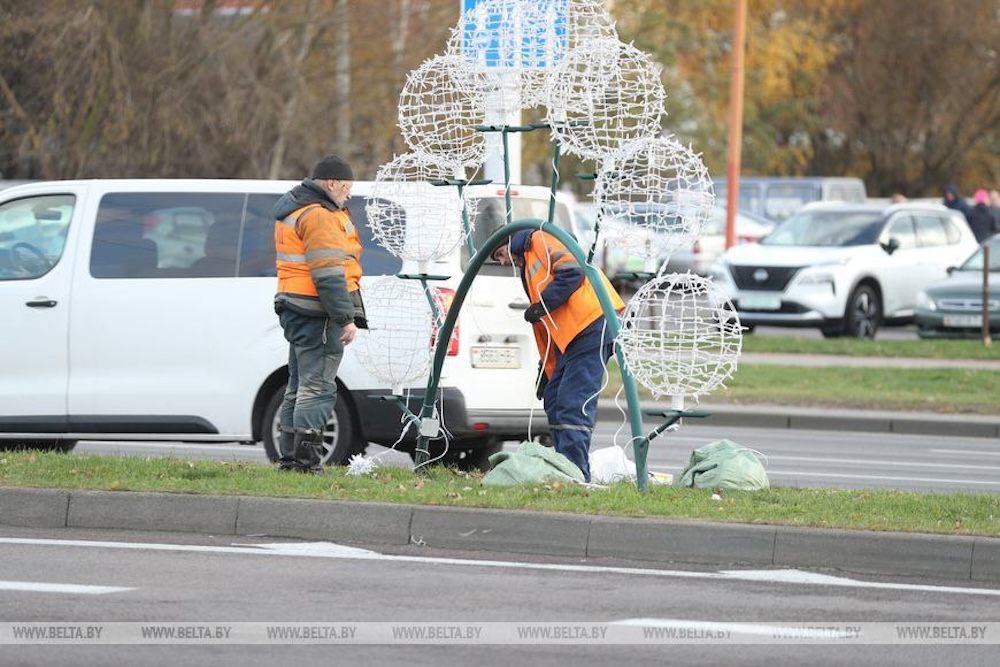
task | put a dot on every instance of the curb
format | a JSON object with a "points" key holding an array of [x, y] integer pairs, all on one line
{"points": [[552, 534], [872, 421]]}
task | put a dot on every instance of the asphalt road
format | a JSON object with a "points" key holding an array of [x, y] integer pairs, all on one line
{"points": [[732, 616]]}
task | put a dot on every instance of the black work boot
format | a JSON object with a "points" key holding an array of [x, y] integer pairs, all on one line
{"points": [[286, 450], [306, 451]]}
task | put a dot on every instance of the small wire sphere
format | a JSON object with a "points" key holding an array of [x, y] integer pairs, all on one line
{"points": [[679, 337], [398, 344], [440, 105], [604, 94], [659, 195], [410, 217]]}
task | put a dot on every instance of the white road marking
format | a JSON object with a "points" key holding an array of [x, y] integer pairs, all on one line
{"points": [[868, 463], [336, 551], [735, 628], [75, 589], [933, 480]]}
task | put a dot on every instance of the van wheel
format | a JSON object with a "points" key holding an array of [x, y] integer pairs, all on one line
{"points": [[471, 454], [340, 440], [864, 313], [47, 445]]}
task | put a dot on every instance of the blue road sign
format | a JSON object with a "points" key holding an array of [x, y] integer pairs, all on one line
{"points": [[515, 34]]}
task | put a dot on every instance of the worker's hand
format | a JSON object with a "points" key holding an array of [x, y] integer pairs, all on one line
{"points": [[348, 333], [534, 313]]}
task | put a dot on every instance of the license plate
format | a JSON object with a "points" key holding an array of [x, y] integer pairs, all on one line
{"points": [[963, 321], [496, 357], [760, 302]]}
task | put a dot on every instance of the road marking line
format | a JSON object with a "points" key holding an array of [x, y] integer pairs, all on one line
{"points": [[76, 589], [336, 551], [935, 480]]}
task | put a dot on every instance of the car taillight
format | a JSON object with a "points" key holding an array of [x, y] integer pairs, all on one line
{"points": [[443, 296]]}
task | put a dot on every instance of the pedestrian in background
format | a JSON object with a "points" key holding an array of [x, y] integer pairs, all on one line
{"points": [[318, 303], [571, 334], [982, 219], [954, 200]]}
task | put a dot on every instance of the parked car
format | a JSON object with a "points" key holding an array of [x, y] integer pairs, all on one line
{"points": [[777, 197], [843, 268], [711, 243], [628, 257], [953, 307], [143, 310]]}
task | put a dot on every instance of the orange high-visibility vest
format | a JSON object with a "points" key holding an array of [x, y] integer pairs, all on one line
{"points": [[542, 258], [342, 250]]}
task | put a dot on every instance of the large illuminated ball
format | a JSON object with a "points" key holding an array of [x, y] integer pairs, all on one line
{"points": [[440, 106], [679, 337], [604, 94], [397, 346], [658, 194], [412, 218]]}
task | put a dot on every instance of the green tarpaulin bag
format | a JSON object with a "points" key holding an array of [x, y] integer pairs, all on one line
{"points": [[530, 463], [723, 464]]}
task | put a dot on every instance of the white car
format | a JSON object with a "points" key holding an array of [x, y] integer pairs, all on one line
{"points": [[843, 268], [143, 310]]}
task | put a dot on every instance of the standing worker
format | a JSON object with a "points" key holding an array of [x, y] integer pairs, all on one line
{"points": [[571, 333], [318, 304]]}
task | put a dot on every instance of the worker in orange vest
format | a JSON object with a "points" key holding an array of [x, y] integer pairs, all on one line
{"points": [[571, 334], [318, 303]]}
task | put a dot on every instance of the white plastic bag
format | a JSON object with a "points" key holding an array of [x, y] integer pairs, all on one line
{"points": [[610, 465]]}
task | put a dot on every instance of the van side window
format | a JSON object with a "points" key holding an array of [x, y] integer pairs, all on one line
{"points": [[375, 260], [33, 234], [257, 256], [166, 235]]}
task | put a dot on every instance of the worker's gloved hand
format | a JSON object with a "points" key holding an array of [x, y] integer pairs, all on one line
{"points": [[534, 313]]}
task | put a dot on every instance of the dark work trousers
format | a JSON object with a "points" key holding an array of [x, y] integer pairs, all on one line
{"points": [[570, 397], [314, 355]]}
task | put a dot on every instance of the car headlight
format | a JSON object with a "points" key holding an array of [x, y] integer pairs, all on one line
{"points": [[925, 302]]}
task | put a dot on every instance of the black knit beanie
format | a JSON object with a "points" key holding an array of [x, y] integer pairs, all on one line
{"points": [[333, 167]]}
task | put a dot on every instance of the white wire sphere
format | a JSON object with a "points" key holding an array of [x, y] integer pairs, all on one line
{"points": [[410, 217], [397, 346], [441, 103], [604, 94], [659, 195], [679, 337]]}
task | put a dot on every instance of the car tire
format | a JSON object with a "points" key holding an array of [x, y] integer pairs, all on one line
{"points": [[45, 445], [468, 454], [864, 313], [340, 439]]}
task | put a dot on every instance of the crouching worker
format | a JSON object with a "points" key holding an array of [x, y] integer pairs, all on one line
{"points": [[572, 335], [318, 303]]}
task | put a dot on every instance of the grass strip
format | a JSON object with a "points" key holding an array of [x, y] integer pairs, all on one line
{"points": [[933, 390], [874, 510], [853, 347]]}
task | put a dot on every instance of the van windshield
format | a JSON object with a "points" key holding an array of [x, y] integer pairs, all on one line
{"points": [[826, 229]]}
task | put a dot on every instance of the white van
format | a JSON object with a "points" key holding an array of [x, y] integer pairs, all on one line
{"points": [[142, 310]]}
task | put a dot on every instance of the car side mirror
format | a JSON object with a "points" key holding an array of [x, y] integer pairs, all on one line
{"points": [[951, 269], [891, 246]]}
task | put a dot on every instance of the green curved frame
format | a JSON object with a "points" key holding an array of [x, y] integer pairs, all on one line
{"points": [[640, 442]]}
